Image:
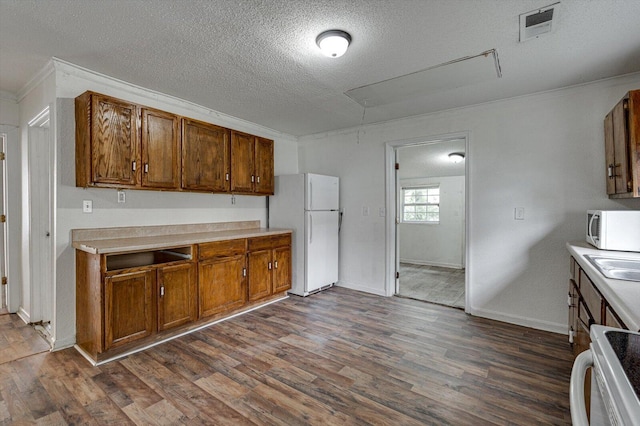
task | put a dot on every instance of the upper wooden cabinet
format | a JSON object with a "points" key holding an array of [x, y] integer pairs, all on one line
{"points": [[160, 149], [622, 147], [251, 164], [205, 156], [106, 141], [120, 144]]}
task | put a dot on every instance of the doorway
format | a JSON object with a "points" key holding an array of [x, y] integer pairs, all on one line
{"points": [[3, 225], [427, 193], [38, 296]]}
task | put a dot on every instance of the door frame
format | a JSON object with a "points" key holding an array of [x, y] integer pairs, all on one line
{"points": [[42, 293], [391, 234]]}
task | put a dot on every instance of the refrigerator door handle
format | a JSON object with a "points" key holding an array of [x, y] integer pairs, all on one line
{"points": [[310, 228], [310, 194]]}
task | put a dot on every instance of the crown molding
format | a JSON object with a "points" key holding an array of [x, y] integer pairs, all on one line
{"points": [[8, 96], [38, 78]]}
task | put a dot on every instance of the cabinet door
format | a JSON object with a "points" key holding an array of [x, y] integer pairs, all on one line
{"points": [[281, 269], [621, 165], [129, 310], [176, 295], [160, 147], [260, 274], [114, 142], [264, 166], [222, 284], [242, 158], [205, 156], [609, 153]]}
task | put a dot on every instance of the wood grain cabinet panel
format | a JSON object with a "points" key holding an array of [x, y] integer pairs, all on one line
{"points": [[260, 274], [205, 156], [176, 295], [264, 182], [281, 269], [160, 149], [622, 147], [129, 307], [242, 162], [251, 164], [106, 141], [222, 284], [269, 265]]}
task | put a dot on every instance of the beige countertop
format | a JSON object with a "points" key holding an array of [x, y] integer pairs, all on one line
{"points": [[623, 296], [130, 239]]}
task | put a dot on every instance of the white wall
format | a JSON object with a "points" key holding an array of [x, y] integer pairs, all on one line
{"points": [[437, 244], [543, 152], [141, 207]]}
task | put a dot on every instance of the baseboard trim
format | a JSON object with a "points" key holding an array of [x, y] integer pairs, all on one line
{"points": [[552, 327], [424, 263], [24, 315], [353, 286]]}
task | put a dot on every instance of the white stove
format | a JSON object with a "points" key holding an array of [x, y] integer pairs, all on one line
{"points": [[615, 380]]}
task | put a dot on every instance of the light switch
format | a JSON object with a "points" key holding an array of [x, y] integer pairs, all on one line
{"points": [[87, 206], [519, 213], [381, 212], [121, 197], [365, 211]]}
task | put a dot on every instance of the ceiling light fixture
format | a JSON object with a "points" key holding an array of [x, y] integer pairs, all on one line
{"points": [[456, 157], [333, 43]]}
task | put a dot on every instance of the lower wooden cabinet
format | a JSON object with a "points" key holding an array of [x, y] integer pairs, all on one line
{"points": [[128, 307], [176, 295], [587, 306], [269, 261], [127, 299], [222, 284]]}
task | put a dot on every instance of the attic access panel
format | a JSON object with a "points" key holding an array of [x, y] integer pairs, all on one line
{"points": [[450, 75]]}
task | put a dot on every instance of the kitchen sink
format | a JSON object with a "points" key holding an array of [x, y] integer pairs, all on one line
{"points": [[616, 267]]}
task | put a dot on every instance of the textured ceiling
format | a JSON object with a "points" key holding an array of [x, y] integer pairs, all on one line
{"points": [[257, 60]]}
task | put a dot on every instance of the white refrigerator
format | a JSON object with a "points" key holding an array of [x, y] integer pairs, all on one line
{"points": [[309, 204]]}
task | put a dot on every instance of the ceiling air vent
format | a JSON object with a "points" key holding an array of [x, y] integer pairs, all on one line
{"points": [[538, 22]]}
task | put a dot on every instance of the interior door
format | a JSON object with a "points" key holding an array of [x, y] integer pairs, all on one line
{"points": [[321, 256], [38, 296], [3, 223]]}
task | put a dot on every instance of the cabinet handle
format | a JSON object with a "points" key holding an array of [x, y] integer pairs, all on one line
{"points": [[226, 176], [244, 272], [252, 179], [610, 171], [269, 265], [258, 179], [276, 264], [146, 168], [569, 300], [571, 335], [133, 166], [161, 291]]}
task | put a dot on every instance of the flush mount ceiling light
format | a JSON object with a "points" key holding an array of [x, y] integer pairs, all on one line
{"points": [[333, 43], [456, 157]]}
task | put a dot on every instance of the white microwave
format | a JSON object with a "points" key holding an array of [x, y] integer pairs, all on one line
{"points": [[614, 229]]}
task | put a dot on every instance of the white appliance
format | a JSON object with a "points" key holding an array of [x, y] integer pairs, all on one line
{"points": [[309, 204], [615, 379], [614, 229]]}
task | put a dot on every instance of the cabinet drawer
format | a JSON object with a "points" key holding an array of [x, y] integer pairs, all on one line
{"points": [[591, 297], [262, 243], [222, 248]]}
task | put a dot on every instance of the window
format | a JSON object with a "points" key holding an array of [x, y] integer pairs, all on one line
{"points": [[421, 204]]}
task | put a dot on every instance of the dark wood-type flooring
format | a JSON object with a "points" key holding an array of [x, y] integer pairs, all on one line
{"points": [[338, 357]]}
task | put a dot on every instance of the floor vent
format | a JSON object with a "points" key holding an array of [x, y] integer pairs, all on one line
{"points": [[538, 22]]}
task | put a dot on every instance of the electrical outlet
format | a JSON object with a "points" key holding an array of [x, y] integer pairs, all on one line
{"points": [[381, 212], [365, 211], [87, 206], [121, 197], [519, 213]]}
